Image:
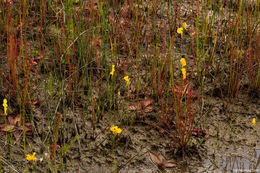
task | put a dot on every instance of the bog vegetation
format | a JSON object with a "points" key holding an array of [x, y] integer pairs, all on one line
{"points": [[112, 64]]}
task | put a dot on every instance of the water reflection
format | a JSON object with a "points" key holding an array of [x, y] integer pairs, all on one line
{"points": [[241, 163]]}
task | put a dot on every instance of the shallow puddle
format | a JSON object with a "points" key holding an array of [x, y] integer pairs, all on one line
{"points": [[241, 163]]}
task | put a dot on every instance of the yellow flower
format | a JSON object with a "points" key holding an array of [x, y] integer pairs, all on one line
{"points": [[253, 121], [5, 106], [115, 130], [118, 93], [31, 157], [113, 70], [127, 80], [183, 70], [180, 31], [183, 62], [184, 24]]}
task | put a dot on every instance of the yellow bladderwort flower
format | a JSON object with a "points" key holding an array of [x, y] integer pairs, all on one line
{"points": [[115, 130], [118, 93], [127, 80], [113, 70], [31, 157], [184, 24], [183, 70], [180, 31], [253, 122], [5, 106], [183, 62]]}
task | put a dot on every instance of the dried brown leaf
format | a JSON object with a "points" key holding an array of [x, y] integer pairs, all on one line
{"points": [[14, 120], [169, 164], [157, 160], [145, 105], [146, 102], [148, 109], [132, 107], [27, 128], [6, 127], [36, 103]]}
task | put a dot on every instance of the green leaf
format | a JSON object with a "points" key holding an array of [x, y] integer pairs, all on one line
{"points": [[67, 146]]}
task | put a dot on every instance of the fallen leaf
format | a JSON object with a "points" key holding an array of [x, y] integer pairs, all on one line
{"points": [[15, 127], [35, 103], [27, 128], [14, 120], [157, 160], [144, 105], [6, 127], [169, 164], [132, 107], [148, 109], [146, 102]]}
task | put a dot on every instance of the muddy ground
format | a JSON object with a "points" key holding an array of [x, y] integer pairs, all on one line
{"points": [[230, 141]]}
